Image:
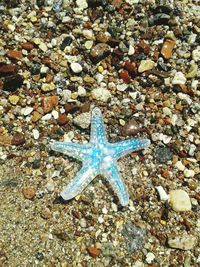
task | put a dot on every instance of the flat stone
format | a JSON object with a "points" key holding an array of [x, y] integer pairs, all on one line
{"points": [[43, 47], [5, 140], [18, 139], [179, 200], [14, 54], [36, 116], [101, 94], [183, 242], [83, 120], [192, 71], [146, 65], [7, 68], [27, 46], [27, 111], [62, 119]]}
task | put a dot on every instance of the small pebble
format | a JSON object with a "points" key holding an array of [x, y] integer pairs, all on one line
{"points": [[162, 194], [36, 134], [76, 67], [83, 120], [28, 193], [179, 78], [93, 251], [179, 200], [146, 65], [101, 94], [183, 242]]}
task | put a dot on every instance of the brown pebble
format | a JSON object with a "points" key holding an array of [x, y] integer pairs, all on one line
{"points": [[28, 193], [18, 139], [7, 68], [85, 107], [131, 128], [36, 116], [93, 251], [5, 140], [13, 82], [125, 76], [62, 119], [143, 46], [130, 67], [70, 107], [99, 52], [102, 38], [46, 213], [49, 103], [167, 48], [27, 46], [14, 54]]}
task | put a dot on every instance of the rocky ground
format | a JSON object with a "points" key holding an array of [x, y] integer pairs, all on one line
{"points": [[138, 61]]}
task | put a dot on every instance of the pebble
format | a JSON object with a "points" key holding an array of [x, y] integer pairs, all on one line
{"points": [[179, 165], [50, 186], [28, 193], [81, 91], [196, 54], [162, 194], [188, 173], [167, 48], [99, 52], [27, 46], [93, 251], [150, 257], [13, 82], [192, 71], [179, 78], [43, 47], [18, 139], [82, 4], [49, 103], [62, 119], [131, 128], [7, 68], [83, 223], [124, 75], [13, 99], [163, 154], [101, 94], [146, 65], [14, 54], [47, 87], [131, 50], [36, 134], [36, 116], [183, 242], [179, 200], [76, 67], [27, 110], [83, 120]]}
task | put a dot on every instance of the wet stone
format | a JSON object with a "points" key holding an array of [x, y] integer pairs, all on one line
{"points": [[12, 83], [14, 54], [131, 128], [163, 154]]}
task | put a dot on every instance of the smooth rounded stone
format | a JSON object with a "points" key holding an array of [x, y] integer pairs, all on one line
{"points": [[50, 185], [189, 173], [81, 91], [179, 200], [82, 4], [179, 78], [83, 223], [49, 103], [179, 165], [163, 154], [14, 54], [29, 193], [76, 67], [7, 68], [196, 54], [83, 120], [131, 128], [131, 50], [36, 134], [27, 111], [101, 94], [43, 47], [93, 251], [13, 82], [192, 71], [99, 52], [13, 99], [89, 44], [183, 242], [146, 65]]}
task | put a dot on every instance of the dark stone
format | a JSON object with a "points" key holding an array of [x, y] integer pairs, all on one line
{"points": [[66, 42], [35, 68], [96, 3], [40, 3], [36, 164], [18, 139], [13, 82], [160, 19], [163, 154], [39, 256]]}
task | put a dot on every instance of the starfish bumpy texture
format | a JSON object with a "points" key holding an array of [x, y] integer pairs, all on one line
{"points": [[98, 157]]}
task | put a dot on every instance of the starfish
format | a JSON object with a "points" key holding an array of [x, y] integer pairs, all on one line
{"points": [[98, 157]]}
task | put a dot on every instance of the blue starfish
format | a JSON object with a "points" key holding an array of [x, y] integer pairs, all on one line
{"points": [[99, 157]]}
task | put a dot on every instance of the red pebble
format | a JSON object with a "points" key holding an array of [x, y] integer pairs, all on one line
{"points": [[130, 67], [125, 76]]}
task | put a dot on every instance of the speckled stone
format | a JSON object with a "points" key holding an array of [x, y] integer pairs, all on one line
{"points": [[179, 200]]}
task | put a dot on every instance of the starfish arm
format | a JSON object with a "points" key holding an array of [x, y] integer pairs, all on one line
{"points": [[98, 135], [74, 150], [112, 175], [86, 174], [126, 147]]}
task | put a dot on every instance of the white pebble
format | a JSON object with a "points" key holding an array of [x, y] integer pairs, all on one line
{"points": [[55, 114], [36, 134], [150, 257], [104, 211], [162, 194], [50, 186], [122, 87], [179, 200], [100, 219], [43, 47], [81, 91], [179, 165], [76, 67], [131, 50], [189, 173], [179, 78], [27, 111], [66, 95], [101, 94], [46, 117]]}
